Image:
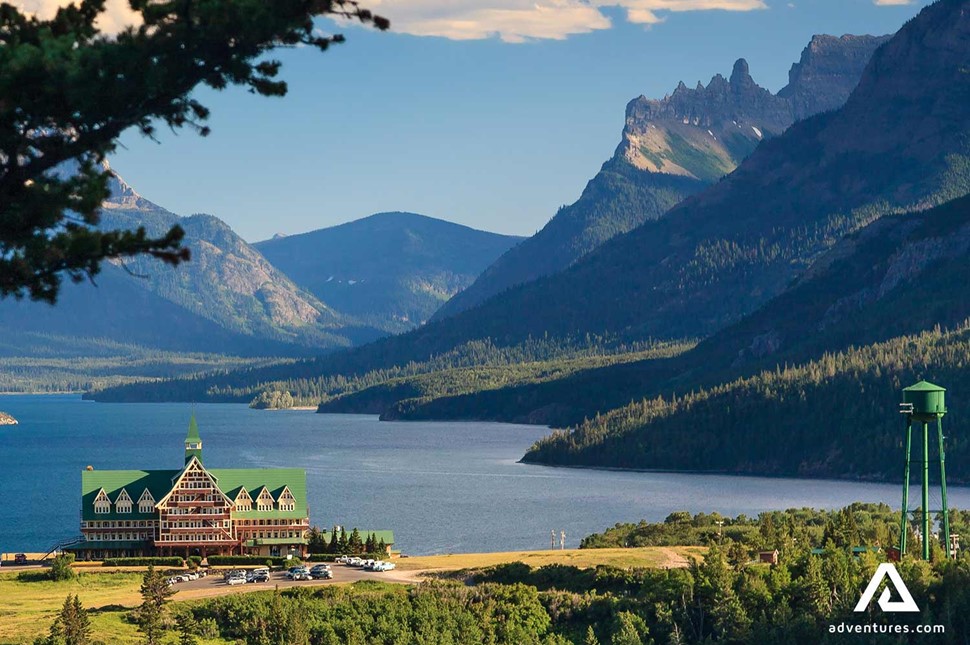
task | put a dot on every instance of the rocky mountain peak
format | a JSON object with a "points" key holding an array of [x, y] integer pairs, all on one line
{"points": [[828, 71], [741, 75], [706, 131]]}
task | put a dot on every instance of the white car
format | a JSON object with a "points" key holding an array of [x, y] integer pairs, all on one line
{"points": [[236, 580]]}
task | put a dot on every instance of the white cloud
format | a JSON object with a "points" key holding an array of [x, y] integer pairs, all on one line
{"points": [[511, 20], [116, 16], [521, 20]]}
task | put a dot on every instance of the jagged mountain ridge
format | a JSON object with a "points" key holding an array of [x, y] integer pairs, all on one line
{"points": [[901, 142], [391, 270], [673, 148]]}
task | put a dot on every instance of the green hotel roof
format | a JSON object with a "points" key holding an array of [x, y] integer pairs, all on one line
{"points": [[193, 434], [159, 483]]}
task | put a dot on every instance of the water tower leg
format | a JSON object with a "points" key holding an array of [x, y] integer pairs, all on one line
{"points": [[946, 509], [926, 491], [904, 521]]}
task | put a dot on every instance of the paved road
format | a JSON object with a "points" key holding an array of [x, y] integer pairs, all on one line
{"points": [[214, 585]]}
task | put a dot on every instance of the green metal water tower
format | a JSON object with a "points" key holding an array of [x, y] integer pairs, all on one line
{"points": [[924, 403]]}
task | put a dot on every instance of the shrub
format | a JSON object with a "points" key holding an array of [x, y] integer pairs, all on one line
{"points": [[230, 560], [173, 561], [61, 567], [322, 557], [194, 561]]}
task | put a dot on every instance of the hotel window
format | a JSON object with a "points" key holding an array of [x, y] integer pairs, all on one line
{"points": [[146, 503], [101, 503]]}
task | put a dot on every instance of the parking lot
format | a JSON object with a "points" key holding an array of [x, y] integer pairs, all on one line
{"points": [[214, 585]]}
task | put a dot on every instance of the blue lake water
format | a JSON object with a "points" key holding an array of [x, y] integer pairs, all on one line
{"points": [[441, 487]]}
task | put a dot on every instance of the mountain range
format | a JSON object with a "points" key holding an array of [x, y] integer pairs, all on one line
{"points": [[673, 148], [801, 291], [230, 300], [614, 201]]}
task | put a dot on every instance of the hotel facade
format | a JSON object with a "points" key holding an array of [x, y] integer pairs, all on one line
{"points": [[193, 510]]}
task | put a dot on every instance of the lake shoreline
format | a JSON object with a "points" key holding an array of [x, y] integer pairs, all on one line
{"points": [[792, 478]]}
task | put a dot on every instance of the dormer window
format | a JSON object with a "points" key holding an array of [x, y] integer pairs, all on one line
{"points": [[102, 504], [146, 503], [244, 503], [264, 501], [123, 502], [286, 500]]}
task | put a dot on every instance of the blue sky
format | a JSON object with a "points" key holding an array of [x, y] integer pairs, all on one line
{"points": [[466, 125]]}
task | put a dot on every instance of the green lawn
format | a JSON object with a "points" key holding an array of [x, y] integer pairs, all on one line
{"points": [[27, 609]]}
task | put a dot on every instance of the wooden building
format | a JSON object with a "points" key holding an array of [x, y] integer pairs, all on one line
{"points": [[193, 510]]}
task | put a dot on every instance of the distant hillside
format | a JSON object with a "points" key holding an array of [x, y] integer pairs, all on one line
{"points": [[833, 417], [389, 270], [227, 281], [900, 276], [675, 147], [227, 299]]}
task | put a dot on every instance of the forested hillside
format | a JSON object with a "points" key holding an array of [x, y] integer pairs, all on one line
{"points": [[833, 417], [902, 275]]}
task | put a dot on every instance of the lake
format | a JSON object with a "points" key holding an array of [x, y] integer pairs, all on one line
{"points": [[441, 487]]}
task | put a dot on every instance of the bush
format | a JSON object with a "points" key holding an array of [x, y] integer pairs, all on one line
{"points": [[173, 561], [230, 560], [322, 557], [61, 567], [194, 561]]}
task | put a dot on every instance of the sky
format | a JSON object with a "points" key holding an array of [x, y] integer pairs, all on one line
{"points": [[489, 113]]}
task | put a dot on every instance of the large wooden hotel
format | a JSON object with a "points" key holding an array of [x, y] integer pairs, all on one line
{"points": [[193, 510]]}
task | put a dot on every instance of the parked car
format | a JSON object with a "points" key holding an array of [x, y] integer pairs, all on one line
{"points": [[20, 558], [386, 566], [261, 575], [321, 572], [302, 574], [237, 579], [344, 559], [292, 570]]}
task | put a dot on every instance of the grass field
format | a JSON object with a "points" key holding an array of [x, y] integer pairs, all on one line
{"points": [[27, 609], [647, 557]]}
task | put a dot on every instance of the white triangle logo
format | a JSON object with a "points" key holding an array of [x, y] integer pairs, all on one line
{"points": [[905, 604]]}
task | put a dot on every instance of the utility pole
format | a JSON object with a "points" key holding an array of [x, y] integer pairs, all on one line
{"points": [[552, 539], [719, 523], [562, 541]]}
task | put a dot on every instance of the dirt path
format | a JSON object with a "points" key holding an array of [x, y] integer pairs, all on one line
{"points": [[672, 559]]}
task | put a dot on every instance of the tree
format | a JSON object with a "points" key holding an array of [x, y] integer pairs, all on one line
{"points": [[68, 91], [343, 545], [186, 627], [61, 567], [354, 543], [334, 546], [630, 630], [590, 637], [155, 592], [72, 626], [316, 543], [77, 629]]}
